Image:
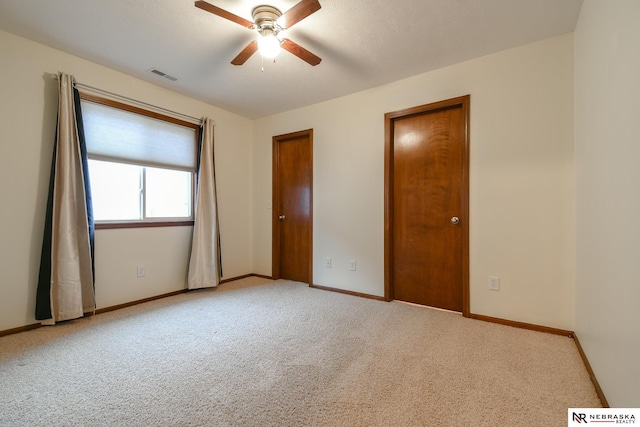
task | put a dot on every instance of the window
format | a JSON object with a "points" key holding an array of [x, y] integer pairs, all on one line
{"points": [[141, 165], [123, 192]]}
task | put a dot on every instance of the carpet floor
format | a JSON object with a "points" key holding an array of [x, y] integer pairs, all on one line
{"points": [[262, 353]]}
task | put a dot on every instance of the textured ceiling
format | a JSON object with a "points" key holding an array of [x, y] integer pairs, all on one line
{"points": [[362, 43]]}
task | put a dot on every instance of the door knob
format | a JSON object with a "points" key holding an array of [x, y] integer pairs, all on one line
{"points": [[281, 217], [455, 220]]}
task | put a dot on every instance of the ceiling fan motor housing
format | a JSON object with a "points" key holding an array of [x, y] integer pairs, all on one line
{"points": [[265, 18]]}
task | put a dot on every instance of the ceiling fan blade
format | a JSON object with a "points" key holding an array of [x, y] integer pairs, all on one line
{"points": [[223, 13], [298, 12], [245, 54], [300, 52]]}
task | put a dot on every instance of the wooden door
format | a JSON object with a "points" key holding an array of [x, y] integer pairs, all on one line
{"points": [[426, 180], [292, 206]]}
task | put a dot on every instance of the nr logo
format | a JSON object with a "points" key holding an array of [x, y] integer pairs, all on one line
{"points": [[580, 418]]}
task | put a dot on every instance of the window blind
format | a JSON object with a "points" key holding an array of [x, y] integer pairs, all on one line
{"points": [[122, 136]]}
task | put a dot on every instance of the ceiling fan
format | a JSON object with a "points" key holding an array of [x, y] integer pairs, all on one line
{"points": [[268, 21]]}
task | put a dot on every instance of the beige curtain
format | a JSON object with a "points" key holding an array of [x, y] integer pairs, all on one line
{"points": [[203, 264], [71, 271]]}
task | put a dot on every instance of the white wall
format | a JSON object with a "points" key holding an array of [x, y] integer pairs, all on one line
{"points": [[607, 86], [521, 183], [28, 105]]}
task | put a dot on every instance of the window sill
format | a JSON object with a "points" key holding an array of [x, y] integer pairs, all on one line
{"points": [[114, 225]]}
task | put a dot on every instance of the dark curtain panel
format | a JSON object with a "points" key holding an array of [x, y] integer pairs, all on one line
{"points": [[87, 181], [43, 293]]}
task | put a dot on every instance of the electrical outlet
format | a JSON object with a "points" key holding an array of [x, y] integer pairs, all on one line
{"points": [[494, 283], [141, 271], [352, 264], [327, 263]]}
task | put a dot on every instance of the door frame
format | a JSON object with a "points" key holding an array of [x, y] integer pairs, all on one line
{"points": [[389, 118], [275, 202]]}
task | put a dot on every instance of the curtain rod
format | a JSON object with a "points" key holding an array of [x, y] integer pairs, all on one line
{"points": [[79, 86]]}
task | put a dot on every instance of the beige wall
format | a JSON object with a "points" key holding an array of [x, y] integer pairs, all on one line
{"points": [[607, 82], [28, 104], [522, 185], [522, 180]]}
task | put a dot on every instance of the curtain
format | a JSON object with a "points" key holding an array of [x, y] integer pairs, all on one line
{"points": [[204, 263], [66, 280]]}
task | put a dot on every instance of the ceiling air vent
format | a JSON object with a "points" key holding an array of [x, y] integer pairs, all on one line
{"points": [[161, 74]]}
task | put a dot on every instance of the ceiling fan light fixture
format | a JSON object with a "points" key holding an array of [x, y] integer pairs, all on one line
{"points": [[269, 45]]}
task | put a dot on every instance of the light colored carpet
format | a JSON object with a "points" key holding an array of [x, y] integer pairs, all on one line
{"points": [[263, 353]]}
